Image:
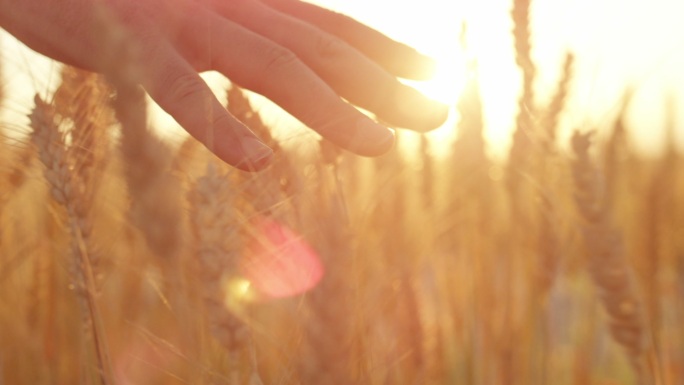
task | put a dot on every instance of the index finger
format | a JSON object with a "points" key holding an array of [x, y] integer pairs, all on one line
{"points": [[180, 91]]}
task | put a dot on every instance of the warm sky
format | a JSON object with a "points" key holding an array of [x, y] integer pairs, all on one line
{"points": [[617, 43]]}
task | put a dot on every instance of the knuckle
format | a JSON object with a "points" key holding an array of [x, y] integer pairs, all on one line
{"points": [[278, 58], [223, 120], [326, 46], [275, 64], [183, 87]]}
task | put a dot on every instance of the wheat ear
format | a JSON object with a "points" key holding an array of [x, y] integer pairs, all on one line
{"points": [[608, 266], [218, 238], [271, 188], [66, 191], [524, 130], [556, 106]]}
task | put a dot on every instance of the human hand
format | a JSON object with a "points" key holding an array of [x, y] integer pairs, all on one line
{"points": [[308, 60]]}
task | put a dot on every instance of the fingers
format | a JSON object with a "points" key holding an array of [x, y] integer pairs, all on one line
{"points": [[179, 90], [284, 60], [260, 65], [351, 74], [399, 59]]}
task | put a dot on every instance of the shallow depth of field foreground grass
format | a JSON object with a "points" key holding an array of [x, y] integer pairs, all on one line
{"points": [[127, 260]]}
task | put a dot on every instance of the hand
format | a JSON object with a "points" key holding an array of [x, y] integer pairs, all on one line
{"points": [[308, 60]]}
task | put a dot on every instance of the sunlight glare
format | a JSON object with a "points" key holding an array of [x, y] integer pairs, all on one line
{"points": [[237, 290], [449, 78]]}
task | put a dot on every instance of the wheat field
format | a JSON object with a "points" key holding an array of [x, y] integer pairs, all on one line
{"points": [[126, 259]]}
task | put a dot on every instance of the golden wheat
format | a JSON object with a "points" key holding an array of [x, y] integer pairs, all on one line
{"points": [[217, 228], [67, 191], [607, 263], [437, 269], [148, 164]]}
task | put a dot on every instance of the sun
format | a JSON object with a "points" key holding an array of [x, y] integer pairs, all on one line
{"points": [[448, 80], [446, 86]]}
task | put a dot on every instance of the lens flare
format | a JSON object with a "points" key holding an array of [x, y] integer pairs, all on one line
{"points": [[278, 262]]}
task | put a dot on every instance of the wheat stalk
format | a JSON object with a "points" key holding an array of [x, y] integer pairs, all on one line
{"points": [[553, 111], [66, 190], [147, 165], [271, 189], [329, 320], [608, 266], [548, 237], [83, 99], [525, 128], [217, 230]]}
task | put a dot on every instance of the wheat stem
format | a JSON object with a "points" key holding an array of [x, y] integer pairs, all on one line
{"points": [[53, 153], [608, 266]]}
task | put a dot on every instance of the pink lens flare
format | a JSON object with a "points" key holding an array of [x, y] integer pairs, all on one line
{"points": [[143, 363], [278, 262]]}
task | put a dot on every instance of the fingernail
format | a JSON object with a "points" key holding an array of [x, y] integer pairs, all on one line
{"points": [[256, 152], [371, 139], [425, 113]]}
